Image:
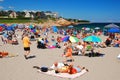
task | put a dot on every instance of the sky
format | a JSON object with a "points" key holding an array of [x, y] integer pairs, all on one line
{"points": [[92, 10]]}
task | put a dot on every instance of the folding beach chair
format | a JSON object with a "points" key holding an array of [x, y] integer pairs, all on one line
{"points": [[89, 48]]}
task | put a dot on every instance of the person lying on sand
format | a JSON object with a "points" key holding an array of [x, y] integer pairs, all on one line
{"points": [[62, 68], [70, 69], [7, 54]]}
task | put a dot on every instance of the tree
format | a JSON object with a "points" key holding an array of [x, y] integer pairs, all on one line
{"points": [[42, 15], [37, 15], [48, 11], [20, 14], [10, 11], [3, 13]]}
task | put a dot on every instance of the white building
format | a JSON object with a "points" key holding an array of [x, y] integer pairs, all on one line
{"points": [[54, 14], [13, 15], [27, 15]]}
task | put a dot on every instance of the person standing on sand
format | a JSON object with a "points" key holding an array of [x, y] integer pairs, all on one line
{"points": [[68, 53], [26, 44]]}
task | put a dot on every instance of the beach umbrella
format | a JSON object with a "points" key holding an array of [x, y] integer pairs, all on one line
{"points": [[114, 30], [112, 26], [65, 39], [1, 28], [21, 26], [78, 36], [97, 28], [87, 29], [83, 28], [33, 30], [70, 26], [55, 29], [92, 38], [3, 25], [10, 28], [73, 39], [14, 25], [31, 26], [37, 31]]}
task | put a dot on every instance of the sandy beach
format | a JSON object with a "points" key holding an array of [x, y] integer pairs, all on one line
{"points": [[18, 68]]}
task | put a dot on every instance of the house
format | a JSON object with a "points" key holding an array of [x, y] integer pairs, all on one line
{"points": [[52, 14], [13, 15], [27, 15]]}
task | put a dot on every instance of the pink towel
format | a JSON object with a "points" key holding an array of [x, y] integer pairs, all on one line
{"points": [[51, 47]]}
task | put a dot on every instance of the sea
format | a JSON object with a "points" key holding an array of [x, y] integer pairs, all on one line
{"points": [[93, 25]]}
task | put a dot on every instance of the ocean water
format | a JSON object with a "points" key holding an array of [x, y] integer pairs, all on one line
{"points": [[93, 25]]}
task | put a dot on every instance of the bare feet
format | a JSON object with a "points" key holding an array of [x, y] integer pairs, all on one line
{"points": [[36, 67], [25, 57], [83, 68], [87, 70]]}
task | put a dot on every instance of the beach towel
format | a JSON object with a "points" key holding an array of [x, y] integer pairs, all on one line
{"points": [[64, 75], [118, 56], [51, 47], [12, 55]]}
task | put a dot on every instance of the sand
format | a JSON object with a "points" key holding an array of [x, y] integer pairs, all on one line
{"points": [[18, 68]]}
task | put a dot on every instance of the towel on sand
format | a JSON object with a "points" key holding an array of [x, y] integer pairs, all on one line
{"points": [[64, 75], [118, 56]]}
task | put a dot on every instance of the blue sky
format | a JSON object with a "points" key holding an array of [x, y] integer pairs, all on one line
{"points": [[92, 10]]}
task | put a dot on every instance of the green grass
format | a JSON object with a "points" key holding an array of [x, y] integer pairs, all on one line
{"points": [[12, 20], [15, 21]]}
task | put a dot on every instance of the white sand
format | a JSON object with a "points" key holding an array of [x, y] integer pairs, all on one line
{"points": [[17, 68]]}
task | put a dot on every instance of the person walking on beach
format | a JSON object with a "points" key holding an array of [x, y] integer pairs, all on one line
{"points": [[68, 53], [26, 44]]}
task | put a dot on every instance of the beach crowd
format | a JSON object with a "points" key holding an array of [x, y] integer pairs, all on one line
{"points": [[53, 37]]}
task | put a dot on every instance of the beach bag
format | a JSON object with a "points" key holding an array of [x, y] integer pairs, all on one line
{"points": [[44, 69]]}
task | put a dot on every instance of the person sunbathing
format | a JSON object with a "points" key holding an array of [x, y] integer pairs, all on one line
{"points": [[3, 54], [7, 54], [70, 69], [56, 65], [79, 48], [63, 68]]}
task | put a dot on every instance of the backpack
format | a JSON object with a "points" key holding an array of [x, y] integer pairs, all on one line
{"points": [[44, 69]]}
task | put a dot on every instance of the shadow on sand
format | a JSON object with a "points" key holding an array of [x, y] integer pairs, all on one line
{"points": [[30, 57], [94, 55], [90, 54]]}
